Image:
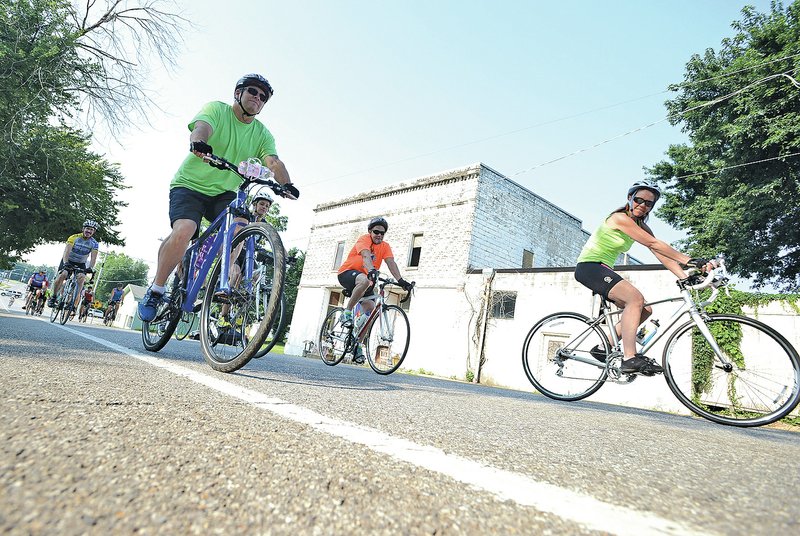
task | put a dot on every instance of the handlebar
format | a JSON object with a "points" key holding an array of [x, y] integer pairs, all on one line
{"points": [[251, 172], [388, 281], [717, 278]]}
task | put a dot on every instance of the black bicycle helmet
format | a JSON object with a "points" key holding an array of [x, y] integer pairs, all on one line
{"points": [[380, 220], [645, 185], [256, 80]]}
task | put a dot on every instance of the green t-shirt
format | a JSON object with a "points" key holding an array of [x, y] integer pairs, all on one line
{"points": [[232, 140], [605, 245]]}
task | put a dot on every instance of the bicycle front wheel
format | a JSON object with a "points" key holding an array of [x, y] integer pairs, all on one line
{"points": [[388, 339], [335, 340], [185, 325], [68, 304], [156, 333], [233, 326], [760, 385], [275, 331], [556, 356]]}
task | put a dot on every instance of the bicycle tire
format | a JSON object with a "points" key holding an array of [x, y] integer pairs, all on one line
{"points": [[335, 340], [551, 369], [157, 332], [386, 343], [181, 334], [275, 330], [251, 313], [54, 310], [69, 291], [761, 387]]}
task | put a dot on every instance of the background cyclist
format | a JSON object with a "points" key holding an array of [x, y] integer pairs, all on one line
{"points": [[80, 252], [197, 190], [114, 300], [37, 285], [86, 302], [616, 235], [359, 271]]}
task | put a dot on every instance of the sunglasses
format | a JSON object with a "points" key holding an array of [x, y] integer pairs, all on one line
{"points": [[256, 93], [645, 202], [381, 233]]}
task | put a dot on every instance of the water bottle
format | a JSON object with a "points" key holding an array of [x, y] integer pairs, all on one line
{"points": [[647, 332], [359, 317]]}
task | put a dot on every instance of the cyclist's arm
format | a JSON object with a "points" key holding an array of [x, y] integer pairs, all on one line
{"points": [[93, 259], [201, 132], [393, 268], [645, 237], [367, 256], [278, 168], [67, 251]]}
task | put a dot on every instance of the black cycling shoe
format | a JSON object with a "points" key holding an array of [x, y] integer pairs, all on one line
{"points": [[598, 353], [641, 364]]}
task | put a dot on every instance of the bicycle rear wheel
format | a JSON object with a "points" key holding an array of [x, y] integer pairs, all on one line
{"points": [[156, 333], [761, 385], [275, 331], [556, 356], [230, 341], [388, 339], [185, 325], [335, 340]]}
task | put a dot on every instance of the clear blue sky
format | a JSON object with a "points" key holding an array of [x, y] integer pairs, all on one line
{"points": [[371, 93]]}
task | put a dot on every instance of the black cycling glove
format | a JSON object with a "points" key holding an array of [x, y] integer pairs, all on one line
{"points": [[200, 147], [405, 284], [698, 262], [292, 189]]}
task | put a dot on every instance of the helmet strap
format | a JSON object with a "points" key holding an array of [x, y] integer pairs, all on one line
{"points": [[239, 102]]}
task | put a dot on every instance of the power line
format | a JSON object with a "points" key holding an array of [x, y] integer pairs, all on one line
{"points": [[781, 157]]}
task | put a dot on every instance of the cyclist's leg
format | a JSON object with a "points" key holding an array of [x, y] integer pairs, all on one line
{"points": [[79, 278], [59, 281]]}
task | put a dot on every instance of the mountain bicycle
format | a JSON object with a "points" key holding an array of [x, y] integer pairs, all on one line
{"points": [[65, 300], [727, 368], [386, 334], [234, 318]]}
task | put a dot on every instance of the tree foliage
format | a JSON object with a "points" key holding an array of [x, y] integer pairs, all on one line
{"points": [[63, 65], [735, 188], [292, 282], [119, 270]]}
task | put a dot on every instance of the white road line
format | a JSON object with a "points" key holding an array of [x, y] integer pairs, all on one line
{"points": [[524, 490]]}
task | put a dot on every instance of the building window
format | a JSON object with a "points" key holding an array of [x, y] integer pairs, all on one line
{"points": [[334, 301], [406, 305], [503, 304], [416, 250], [337, 261], [527, 258]]}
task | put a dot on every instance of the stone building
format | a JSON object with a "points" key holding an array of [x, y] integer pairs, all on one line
{"points": [[440, 227]]}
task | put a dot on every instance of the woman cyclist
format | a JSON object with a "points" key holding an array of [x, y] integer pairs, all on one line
{"points": [[616, 235]]}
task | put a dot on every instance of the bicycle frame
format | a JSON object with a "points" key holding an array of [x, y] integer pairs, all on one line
{"points": [[607, 317], [226, 224]]}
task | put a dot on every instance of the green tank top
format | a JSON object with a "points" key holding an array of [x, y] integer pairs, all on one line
{"points": [[605, 245]]}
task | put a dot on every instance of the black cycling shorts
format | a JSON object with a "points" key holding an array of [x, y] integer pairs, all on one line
{"points": [[186, 204], [597, 277], [348, 280], [70, 266]]}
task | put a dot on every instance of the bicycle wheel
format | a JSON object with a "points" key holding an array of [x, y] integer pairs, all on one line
{"points": [[185, 325], [335, 340], [59, 301], [387, 340], [233, 327], [157, 332], [68, 305], [761, 385], [275, 331], [556, 356]]}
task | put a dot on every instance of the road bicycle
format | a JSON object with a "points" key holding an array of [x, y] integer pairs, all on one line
{"points": [[65, 300], [35, 304], [727, 368], [235, 317], [386, 334], [83, 312], [110, 315]]}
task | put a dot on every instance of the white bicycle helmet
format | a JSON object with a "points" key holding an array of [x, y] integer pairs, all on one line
{"points": [[262, 194], [91, 223], [645, 185]]}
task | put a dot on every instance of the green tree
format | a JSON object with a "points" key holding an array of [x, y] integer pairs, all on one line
{"points": [[293, 273], [735, 188], [119, 270], [61, 65]]}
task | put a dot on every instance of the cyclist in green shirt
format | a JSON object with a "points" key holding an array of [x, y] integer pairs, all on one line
{"points": [[199, 190], [616, 235]]}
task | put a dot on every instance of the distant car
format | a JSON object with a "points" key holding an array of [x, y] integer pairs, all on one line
{"points": [[96, 313], [9, 292]]}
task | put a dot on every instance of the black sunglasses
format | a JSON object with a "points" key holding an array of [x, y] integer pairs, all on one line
{"points": [[256, 93], [645, 202], [378, 232]]}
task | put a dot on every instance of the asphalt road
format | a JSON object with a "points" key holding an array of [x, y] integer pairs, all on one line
{"points": [[99, 437]]}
